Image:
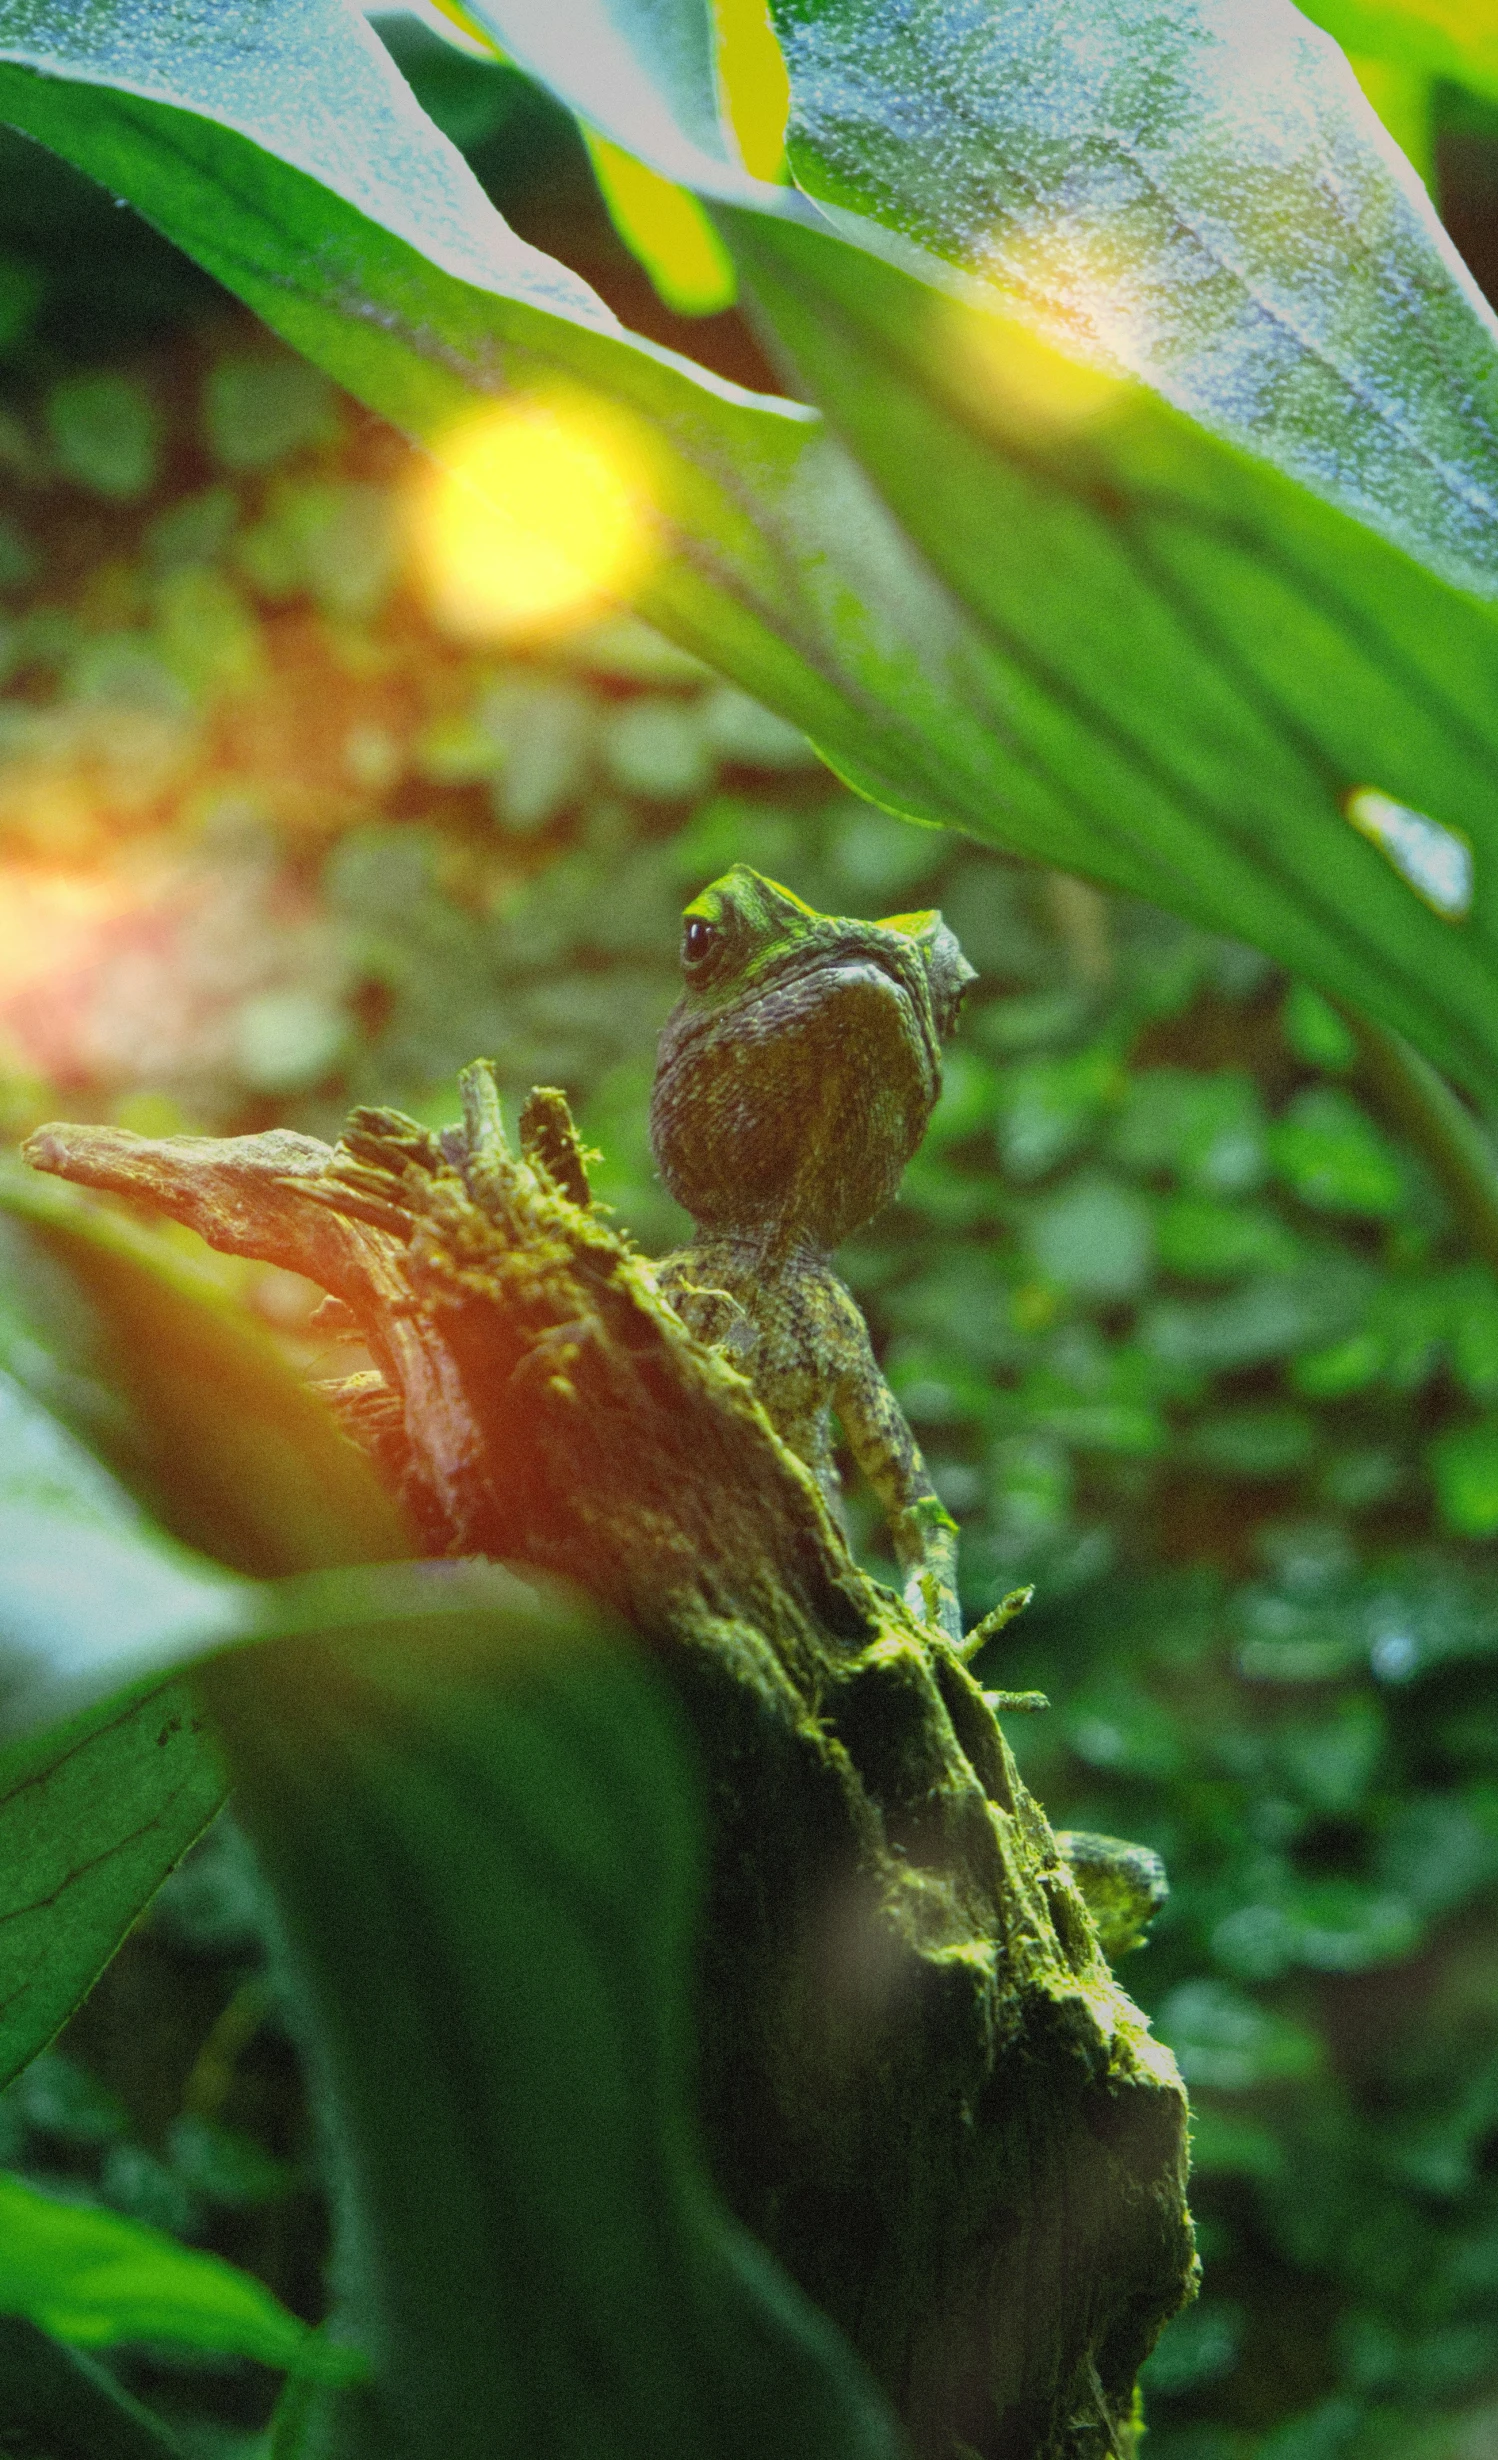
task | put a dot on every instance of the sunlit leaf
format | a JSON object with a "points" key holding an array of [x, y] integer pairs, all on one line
{"points": [[1404, 98], [95, 2278], [665, 227], [752, 83], [1197, 194], [1174, 623], [1453, 39], [1178, 668]]}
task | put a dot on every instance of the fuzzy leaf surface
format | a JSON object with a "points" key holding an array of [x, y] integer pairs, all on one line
{"points": [[1196, 192], [1154, 663]]}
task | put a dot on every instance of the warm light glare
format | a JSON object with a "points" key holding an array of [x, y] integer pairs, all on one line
{"points": [[1022, 379], [49, 918], [527, 519]]}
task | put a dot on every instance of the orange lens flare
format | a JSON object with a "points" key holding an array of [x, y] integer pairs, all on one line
{"points": [[528, 519], [49, 919]]}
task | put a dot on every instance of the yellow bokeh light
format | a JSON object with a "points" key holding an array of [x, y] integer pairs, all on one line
{"points": [[530, 516]]}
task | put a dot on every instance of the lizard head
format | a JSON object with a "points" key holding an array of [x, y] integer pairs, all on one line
{"points": [[799, 1067]]}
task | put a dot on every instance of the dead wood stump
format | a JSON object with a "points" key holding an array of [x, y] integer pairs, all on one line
{"points": [[921, 2085]]}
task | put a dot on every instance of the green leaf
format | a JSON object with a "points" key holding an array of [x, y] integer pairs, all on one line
{"points": [[1438, 1850], [665, 227], [95, 2278], [1202, 657], [95, 1813], [1203, 1240], [1179, 669], [91, 1821], [132, 1395], [1049, 1106], [1452, 39], [1199, 195], [1327, 1149], [1228, 2043], [1272, 1317], [481, 1818], [105, 433], [1206, 1130], [1095, 1236], [1316, 1033], [1464, 1466]]}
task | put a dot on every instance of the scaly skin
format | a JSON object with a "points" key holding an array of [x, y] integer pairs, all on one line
{"points": [[796, 1076]]}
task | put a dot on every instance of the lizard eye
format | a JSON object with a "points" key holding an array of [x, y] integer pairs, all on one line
{"points": [[699, 941]]}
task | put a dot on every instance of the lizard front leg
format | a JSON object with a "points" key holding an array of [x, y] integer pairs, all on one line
{"points": [[923, 1531]]}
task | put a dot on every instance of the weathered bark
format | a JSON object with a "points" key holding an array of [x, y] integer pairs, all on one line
{"points": [[923, 2087]]}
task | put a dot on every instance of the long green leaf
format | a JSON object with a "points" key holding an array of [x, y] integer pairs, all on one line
{"points": [[1196, 194], [1177, 665], [1217, 663], [1215, 671], [483, 1831], [95, 1813], [480, 1815], [133, 1401], [97, 2278]]}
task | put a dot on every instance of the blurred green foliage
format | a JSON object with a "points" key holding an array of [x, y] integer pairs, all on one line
{"points": [[1187, 1334]]}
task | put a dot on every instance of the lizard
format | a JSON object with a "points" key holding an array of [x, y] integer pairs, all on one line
{"points": [[794, 1081]]}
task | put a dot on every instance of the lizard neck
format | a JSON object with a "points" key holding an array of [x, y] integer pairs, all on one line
{"points": [[770, 1248]]}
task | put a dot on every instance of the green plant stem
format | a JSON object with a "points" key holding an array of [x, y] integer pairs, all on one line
{"points": [[1438, 1123]]}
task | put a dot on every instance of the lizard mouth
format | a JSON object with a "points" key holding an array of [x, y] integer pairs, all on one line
{"points": [[805, 980]]}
